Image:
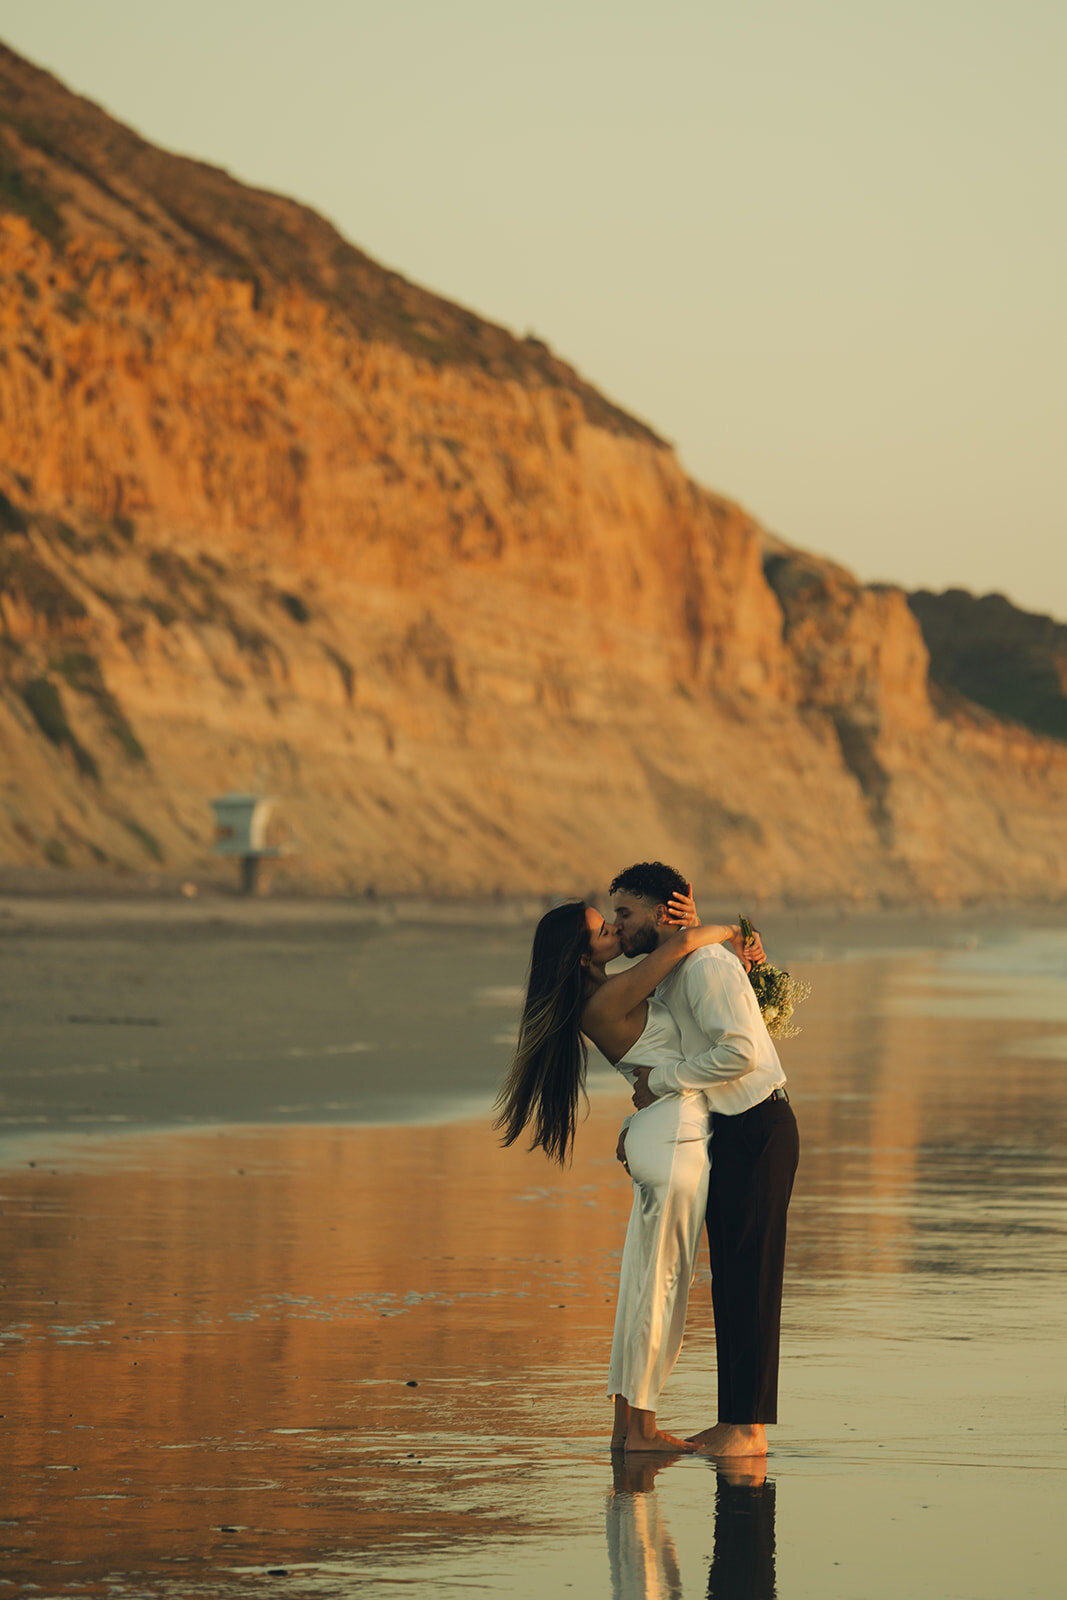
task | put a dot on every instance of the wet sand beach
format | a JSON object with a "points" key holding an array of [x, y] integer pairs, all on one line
{"points": [[297, 1323]]}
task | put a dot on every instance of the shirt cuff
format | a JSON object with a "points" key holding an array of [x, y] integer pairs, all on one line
{"points": [[658, 1084]]}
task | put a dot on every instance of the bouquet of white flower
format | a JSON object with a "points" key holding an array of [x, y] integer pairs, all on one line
{"points": [[776, 992]]}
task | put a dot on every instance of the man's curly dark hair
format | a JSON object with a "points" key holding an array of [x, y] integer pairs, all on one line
{"points": [[650, 880]]}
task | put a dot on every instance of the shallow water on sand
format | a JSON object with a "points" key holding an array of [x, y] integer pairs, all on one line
{"points": [[361, 1360]]}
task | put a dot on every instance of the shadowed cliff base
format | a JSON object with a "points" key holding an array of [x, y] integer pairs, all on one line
{"points": [[275, 520], [983, 648]]}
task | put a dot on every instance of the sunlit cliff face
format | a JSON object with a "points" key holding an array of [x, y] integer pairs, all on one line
{"points": [[329, 537]]}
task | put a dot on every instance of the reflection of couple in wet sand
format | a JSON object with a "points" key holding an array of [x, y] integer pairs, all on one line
{"points": [[641, 1553], [685, 1028]]}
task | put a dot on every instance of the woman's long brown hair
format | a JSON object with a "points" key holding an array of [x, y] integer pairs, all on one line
{"points": [[547, 1072]]}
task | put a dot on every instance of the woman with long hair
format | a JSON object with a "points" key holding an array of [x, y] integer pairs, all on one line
{"points": [[570, 998]]}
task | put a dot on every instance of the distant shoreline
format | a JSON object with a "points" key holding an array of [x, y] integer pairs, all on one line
{"points": [[38, 895], [158, 1014]]}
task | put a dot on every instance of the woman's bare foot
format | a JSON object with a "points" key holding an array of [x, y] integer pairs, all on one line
{"points": [[620, 1423], [733, 1439], [661, 1443], [643, 1435]]}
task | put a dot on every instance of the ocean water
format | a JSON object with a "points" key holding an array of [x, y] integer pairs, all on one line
{"points": [[333, 1352]]}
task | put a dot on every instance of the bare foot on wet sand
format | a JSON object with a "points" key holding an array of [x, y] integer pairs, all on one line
{"points": [[732, 1439], [661, 1443], [635, 1432], [708, 1437]]}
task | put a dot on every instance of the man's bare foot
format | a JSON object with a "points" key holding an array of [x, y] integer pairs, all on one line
{"points": [[621, 1423], [708, 1437], [661, 1443], [735, 1439]]}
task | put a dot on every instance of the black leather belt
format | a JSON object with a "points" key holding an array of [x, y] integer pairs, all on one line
{"points": [[724, 1116]]}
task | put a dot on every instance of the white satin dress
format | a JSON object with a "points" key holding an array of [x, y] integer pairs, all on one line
{"points": [[667, 1153]]}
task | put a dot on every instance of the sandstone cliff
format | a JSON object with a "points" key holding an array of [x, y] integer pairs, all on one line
{"points": [[274, 518], [1013, 662]]}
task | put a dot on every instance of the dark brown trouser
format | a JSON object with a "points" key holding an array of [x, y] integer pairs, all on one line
{"points": [[753, 1161]]}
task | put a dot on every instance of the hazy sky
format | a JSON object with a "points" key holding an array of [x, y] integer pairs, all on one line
{"points": [[821, 246]]}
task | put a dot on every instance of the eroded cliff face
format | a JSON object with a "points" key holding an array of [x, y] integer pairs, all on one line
{"points": [[471, 625]]}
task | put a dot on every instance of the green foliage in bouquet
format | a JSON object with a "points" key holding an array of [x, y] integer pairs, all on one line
{"points": [[776, 992]]}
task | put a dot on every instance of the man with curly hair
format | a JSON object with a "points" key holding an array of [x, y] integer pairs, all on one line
{"points": [[727, 1054]]}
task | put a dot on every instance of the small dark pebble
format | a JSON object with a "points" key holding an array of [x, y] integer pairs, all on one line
{"points": [[412, 1383], [277, 1572], [227, 1528]]}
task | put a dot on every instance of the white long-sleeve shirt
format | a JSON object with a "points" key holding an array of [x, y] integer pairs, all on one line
{"points": [[727, 1050]]}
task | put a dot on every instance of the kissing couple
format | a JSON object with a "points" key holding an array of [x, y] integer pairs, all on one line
{"points": [[713, 1141]]}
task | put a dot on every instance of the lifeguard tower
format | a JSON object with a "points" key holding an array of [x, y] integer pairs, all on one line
{"points": [[241, 831]]}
